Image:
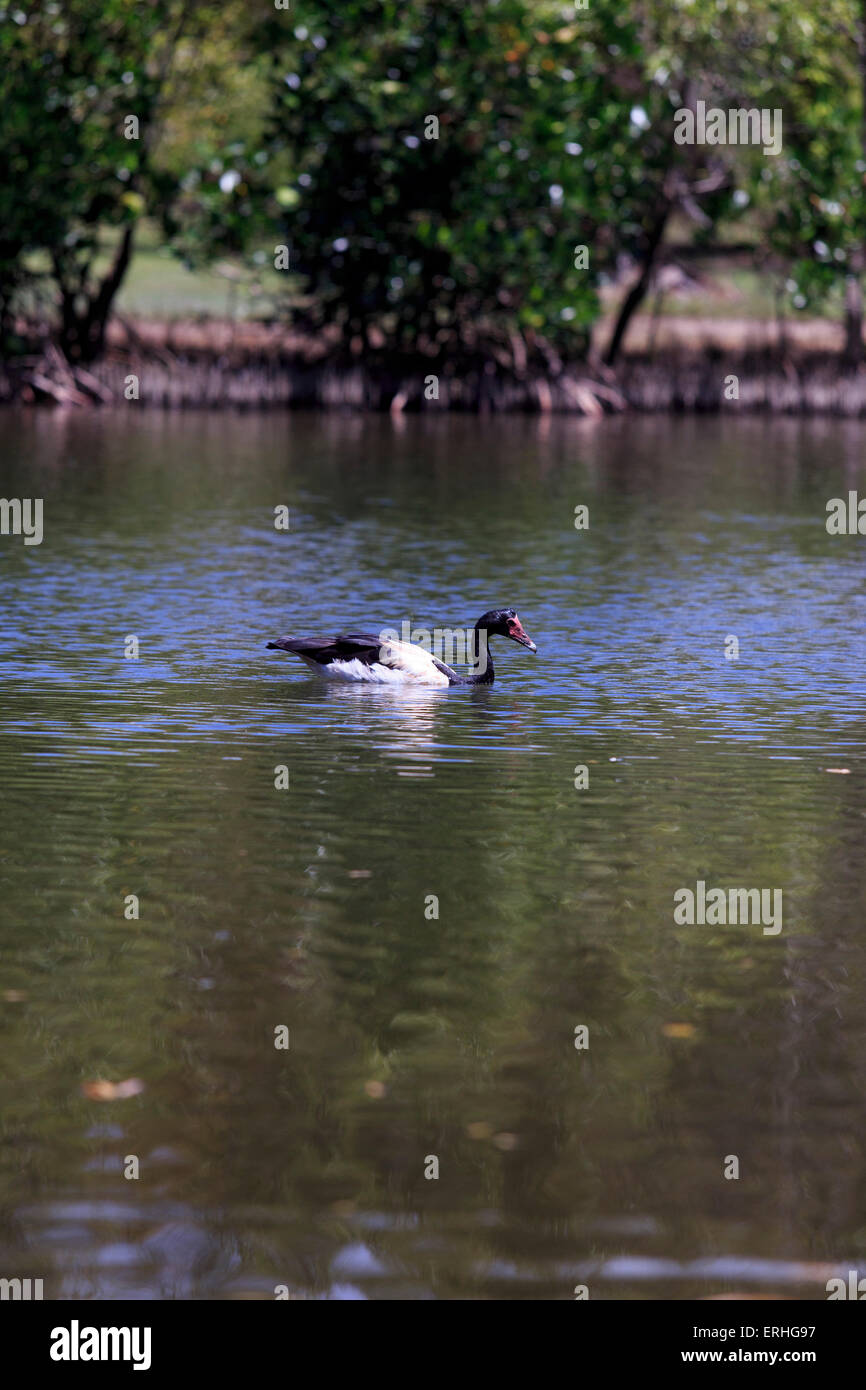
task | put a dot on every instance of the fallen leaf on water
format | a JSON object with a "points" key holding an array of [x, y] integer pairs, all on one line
{"points": [[678, 1030], [479, 1129], [112, 1090]]}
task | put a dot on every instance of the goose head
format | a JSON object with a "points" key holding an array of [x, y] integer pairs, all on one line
{"points": [[504, 622]]}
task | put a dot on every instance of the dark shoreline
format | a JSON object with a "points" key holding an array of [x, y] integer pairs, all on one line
{"points": [[673, 381]]}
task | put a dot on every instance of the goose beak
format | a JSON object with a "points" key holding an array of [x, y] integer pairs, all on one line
{"points": [[516, 633]]}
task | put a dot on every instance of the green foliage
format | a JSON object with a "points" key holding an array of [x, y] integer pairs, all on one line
{"points": [[211, 160], [805, 207], [70, 77], [435, 240], [309, 128]]}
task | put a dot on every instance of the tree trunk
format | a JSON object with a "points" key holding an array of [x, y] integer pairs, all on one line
{"points": [[82, 331], [637, 293]]}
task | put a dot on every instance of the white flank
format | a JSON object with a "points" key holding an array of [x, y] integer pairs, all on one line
{"points": [[400, 664]]}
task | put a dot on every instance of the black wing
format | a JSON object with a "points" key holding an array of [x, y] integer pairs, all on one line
{"points": [[364, 647]]}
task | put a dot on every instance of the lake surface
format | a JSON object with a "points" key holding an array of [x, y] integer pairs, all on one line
{"points": [[415, 1037]]}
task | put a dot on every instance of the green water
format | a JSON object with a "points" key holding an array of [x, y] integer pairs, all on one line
{"points": [[412, 1036]]}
